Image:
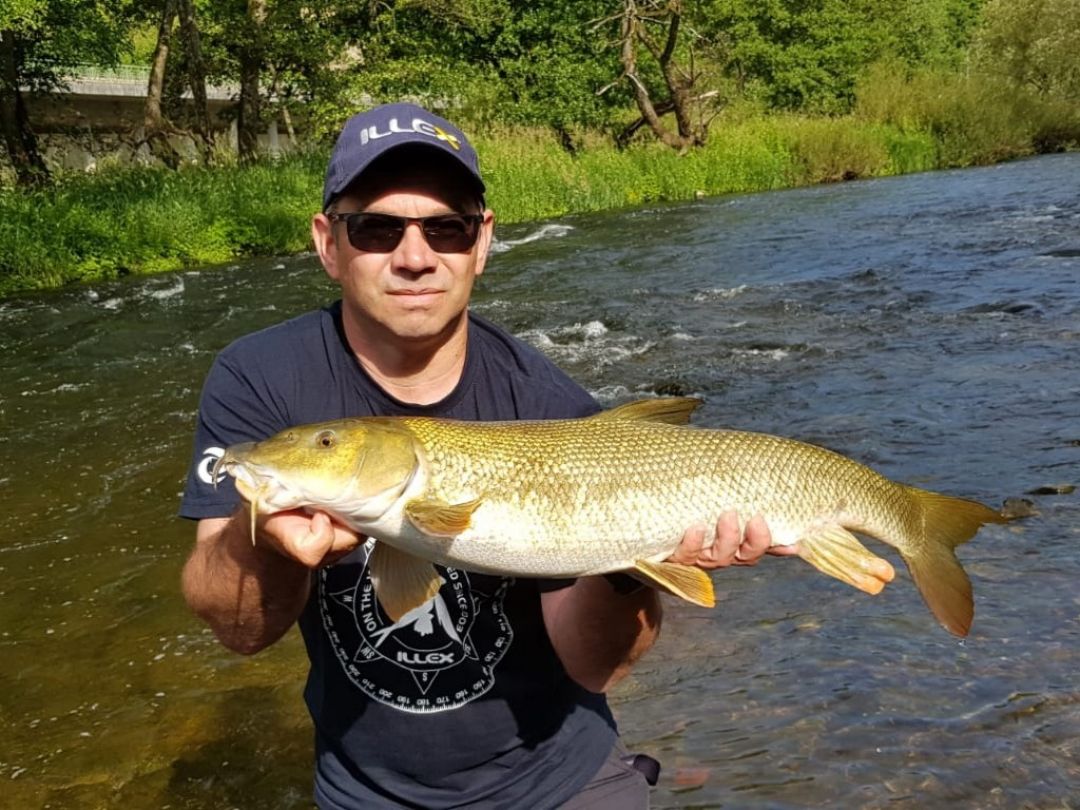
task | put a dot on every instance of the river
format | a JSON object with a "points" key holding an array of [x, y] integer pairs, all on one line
{"points": [[928, 325]]}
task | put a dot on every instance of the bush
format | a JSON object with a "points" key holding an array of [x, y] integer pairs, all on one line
{"points": [[974, 118]]}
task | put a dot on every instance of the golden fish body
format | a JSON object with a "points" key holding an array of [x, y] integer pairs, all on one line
{"points": [[614, 492]]}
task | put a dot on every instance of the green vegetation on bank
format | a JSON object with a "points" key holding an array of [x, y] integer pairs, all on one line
{"points": [[576, 105], [144, 220]]}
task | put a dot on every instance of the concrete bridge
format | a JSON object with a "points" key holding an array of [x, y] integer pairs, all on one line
{"points": [[99, 115]]}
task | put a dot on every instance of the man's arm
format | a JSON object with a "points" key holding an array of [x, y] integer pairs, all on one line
{"points": [[599, 634], [251, 593]]}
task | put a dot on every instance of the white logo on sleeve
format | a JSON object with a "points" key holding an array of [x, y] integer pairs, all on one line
{"points": [[206, 466]]}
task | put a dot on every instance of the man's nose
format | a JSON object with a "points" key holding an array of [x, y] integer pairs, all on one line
{"points": [[413, 253]]}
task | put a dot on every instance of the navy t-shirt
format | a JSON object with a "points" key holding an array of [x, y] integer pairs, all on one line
{"points": [[462, 702]]}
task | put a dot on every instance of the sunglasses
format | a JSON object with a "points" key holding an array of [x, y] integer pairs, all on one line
{"points": [[382, 233]]}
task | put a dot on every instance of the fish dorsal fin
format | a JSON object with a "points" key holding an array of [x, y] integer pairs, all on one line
{"points": [[685, 581], [437, 517], [835, 551], [401, 581], [668, 411]]}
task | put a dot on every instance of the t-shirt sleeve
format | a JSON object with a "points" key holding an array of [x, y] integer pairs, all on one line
{"points": [[233, 408]]}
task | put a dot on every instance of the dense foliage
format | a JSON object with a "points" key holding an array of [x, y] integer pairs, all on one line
{"points": [[574, 105], [552, 63]]}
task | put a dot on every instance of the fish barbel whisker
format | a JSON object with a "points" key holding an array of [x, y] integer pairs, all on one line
{"points": [[257, 496], [215, 473]]}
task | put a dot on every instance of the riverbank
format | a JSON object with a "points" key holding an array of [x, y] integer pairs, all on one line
{"points": [[126, 221]]}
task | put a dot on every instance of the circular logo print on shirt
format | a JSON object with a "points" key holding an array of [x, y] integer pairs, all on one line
{"points": [[437, 656]]}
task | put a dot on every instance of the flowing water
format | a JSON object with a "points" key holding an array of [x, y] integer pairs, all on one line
{"points": [[928, 325]]}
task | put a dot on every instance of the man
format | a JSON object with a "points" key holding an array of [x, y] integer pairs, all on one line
{"points": [[491, 694]]}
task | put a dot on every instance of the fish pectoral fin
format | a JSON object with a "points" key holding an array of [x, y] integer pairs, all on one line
{"points": [[401, 581], [668, 411], [685, 581], [837, 552], [440, 518]]}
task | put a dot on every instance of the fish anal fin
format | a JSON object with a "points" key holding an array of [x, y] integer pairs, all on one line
{"points": [[837, 552], [685, 581], [439, 518], [666, 410], [401, 581]]}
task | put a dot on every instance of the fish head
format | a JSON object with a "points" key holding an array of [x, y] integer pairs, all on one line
{"points": [[351, 468]]}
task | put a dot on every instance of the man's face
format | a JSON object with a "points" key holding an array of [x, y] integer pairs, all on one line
{"points": [[412, 293]]}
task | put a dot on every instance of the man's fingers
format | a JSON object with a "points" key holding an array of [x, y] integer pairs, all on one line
{"points": [[725, 548], [732, 545], [689, 548], [312, 540], [755, 542]]}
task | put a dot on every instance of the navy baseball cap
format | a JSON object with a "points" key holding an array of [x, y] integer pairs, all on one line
{"points": [[371, 134]]}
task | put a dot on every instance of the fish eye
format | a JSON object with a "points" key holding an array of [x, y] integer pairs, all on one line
{"points": [[326, 439]]}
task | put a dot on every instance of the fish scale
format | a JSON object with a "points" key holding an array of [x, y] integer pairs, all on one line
{"points": [[598, 477], [612, 492]]}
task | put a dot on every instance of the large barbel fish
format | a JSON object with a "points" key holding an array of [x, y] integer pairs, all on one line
{"points": [[611, 492]]}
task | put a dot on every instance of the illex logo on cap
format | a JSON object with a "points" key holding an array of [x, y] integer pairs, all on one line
{"points": [[369, 135], [419, 127]]}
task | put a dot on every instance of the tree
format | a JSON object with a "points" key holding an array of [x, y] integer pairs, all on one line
{"points": [[155, 128], [1033, 44], [660, 28], [808, 54], [252, 62], [40, 43], [196, 74], [19, 138]]}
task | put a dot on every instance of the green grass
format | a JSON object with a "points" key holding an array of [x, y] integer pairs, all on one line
{"points": [[139, 220]]}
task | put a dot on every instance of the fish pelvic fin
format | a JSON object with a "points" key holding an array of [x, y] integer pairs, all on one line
{"points": [[439, 518], [946, 523], [668, 411], [401, 581], [835, 551], [685, 581]]}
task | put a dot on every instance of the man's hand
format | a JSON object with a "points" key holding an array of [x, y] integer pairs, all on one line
{"points": [[250, 595], [313, 540], [731, 546]]}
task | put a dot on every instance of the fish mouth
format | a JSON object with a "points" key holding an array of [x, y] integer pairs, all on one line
{"points": [[255, 484], [260, 488]]}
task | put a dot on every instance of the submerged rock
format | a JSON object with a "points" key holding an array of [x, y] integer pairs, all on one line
{"points": [[1053, 489]]}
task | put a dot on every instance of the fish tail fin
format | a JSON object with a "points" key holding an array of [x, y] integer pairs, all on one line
{"points": [[946, 523]]}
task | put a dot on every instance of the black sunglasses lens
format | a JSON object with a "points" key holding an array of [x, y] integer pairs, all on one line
{"points": [[381, 233], [374, 233], [451, 233]]}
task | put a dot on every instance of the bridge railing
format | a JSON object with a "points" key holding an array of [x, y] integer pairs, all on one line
{"points": [[131, 73], [126, 80]]}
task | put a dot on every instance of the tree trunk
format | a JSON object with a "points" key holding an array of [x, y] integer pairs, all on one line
{"points": [[19, 138], [248, 119], [189, 29], [679, 84], [155, 128], [283, 108]]}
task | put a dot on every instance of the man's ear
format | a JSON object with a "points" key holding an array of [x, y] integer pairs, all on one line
{"points": [[322, 234], [483, 242]]}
